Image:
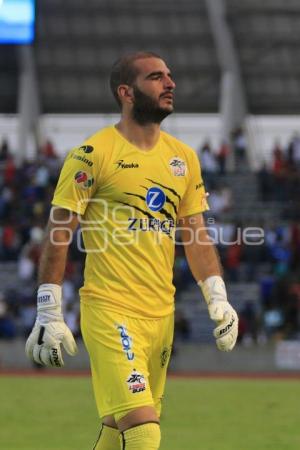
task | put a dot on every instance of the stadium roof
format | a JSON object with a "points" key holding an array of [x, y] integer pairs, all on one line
{"points": [[77, 42]]}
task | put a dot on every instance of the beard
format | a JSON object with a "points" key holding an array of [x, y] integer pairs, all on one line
{"points": [[147, 110]]}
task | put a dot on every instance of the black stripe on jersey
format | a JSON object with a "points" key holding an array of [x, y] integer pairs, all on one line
{"points": [[166, 187], [136, 195], [167, 214], [138, 209], [162, 211], [168, 200]]}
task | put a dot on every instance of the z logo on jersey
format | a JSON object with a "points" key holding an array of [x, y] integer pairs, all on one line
{"points": [[155, 198]]}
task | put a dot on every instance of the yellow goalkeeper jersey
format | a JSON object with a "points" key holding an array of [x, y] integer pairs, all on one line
{"points": [[129, 201]]}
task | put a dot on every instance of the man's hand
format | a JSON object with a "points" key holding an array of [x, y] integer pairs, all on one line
{"points": [[227, 330], [221, 312], [50, 330]]}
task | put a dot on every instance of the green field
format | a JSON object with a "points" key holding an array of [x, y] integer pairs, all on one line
{"points": [[59, 414]]}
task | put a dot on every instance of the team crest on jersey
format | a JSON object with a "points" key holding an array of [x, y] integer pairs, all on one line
{"points": [[136, 382], [178, 167], [83, 179], [165, 356]]}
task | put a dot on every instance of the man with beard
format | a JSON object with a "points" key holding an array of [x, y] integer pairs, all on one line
{"points": [[127, 186]]}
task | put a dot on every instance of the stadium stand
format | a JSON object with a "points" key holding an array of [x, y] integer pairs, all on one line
{"points": [[8, 79], [265, 34], [78, 42]]}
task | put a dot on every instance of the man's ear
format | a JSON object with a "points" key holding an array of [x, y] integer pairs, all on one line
{"points": [[125, 93]]}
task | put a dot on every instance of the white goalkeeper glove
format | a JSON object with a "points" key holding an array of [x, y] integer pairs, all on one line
{"points": [[50, 330], [220, 310]]}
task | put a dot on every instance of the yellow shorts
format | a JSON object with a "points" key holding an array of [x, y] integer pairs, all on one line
{"points": [[129, 358]]}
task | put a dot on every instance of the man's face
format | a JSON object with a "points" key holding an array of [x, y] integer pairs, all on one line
{"points": [[153, 91]]}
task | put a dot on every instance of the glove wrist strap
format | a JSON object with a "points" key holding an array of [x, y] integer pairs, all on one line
{"points": [[213, 289], [49, 298]]}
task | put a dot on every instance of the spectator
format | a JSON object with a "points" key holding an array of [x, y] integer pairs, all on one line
{"points": [[4, 150], [9, 170], [208, 164], [294, 150], [182, 327], [265, 183], [250, 322], [239, 148], [30, 255], [233, 261], [220, 200], [48, 150], [7, 325], [222, 156], [10, 242], [278, 163]]}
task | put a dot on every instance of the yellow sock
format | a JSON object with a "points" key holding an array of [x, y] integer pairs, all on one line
{"points": [[141, 437], [108, 439]]}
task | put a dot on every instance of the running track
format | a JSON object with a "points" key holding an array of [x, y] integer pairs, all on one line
{"points": [[41, 373]]}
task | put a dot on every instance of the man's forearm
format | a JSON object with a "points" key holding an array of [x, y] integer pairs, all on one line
{"points": [[52, 263], [201, 254], [203, 260], [61, 226]]}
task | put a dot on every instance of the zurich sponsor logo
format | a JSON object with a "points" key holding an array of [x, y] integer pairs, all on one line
{"points": [[155, 198]]}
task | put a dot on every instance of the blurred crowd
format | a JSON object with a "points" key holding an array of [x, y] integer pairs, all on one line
{"points": [[274, 264], [229, 155], [26, 191], [280, 180]]}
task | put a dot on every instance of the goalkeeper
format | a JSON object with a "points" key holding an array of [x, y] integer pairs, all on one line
{"points": [[127, 186]]}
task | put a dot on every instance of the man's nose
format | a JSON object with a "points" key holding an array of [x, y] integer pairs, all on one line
{"points": [[170, 84]]}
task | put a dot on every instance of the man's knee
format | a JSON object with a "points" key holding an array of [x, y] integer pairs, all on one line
{"points": [[137, 416], [108, 438], [139, 429], [141, 437], [110, 421], [157, 407]]}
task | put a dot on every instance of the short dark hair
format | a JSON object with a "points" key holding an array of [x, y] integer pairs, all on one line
{"points": [[125, 72]]}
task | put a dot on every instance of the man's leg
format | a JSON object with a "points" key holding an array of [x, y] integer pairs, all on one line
{"points": [[159, 360], [108, 438], [140, 429], [118, 351]]}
